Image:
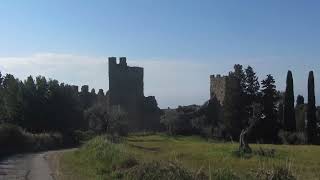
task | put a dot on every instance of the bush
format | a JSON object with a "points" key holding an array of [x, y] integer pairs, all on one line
{"points": [[224, 174], [292, 137], [162, 171], [14, 139], [118, 123], [45, 141], [270, 153], [80, 137], [178, 122], [104, 157], [276, 173]]}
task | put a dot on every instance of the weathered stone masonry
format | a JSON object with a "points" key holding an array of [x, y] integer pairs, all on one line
{"points": [[126, 90], [218, 87]]}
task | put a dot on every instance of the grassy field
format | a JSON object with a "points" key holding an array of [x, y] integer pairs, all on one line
{"points": [[194, 153]]}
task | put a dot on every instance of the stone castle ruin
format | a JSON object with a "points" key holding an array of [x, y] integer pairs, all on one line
{"points": [[126, 89], [218, 85], [218, 93]]}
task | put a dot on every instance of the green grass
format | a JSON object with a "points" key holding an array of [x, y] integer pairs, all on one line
{"points": [[193, 153]]}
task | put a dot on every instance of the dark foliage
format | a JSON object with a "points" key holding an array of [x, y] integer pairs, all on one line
{"points": [[252, 91], [41, 105], [311, 113], [289, 112], [181, 121], [268, 125], [300, 100], [288, 137], [233, 107], [14, 139]]}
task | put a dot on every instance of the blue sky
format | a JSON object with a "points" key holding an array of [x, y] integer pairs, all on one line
{"points": [[179, 42]]}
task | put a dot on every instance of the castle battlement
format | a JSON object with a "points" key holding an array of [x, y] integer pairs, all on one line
{"points": [[124, 81], [126, 91]]}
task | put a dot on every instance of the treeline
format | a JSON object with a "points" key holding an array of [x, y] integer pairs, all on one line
{"points": [[268, 114], [41, 105]]}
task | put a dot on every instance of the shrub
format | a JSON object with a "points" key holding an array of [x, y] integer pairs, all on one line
{"points": [[265, 152], [104, 157], [118, 123], [14, 139], [80, 137], [178, 122], [242, 154], [223, 174], [287, 137], [45, 141], [161, 171], [276, 173]]}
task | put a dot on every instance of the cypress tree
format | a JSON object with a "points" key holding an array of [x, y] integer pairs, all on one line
{"points": [[311, 113], [289, 112]]}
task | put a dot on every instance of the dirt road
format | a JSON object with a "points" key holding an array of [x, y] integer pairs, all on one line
{"points": [[33, 166]]}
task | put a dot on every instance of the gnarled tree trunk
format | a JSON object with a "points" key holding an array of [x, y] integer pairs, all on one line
{"points": [[244, 146]]}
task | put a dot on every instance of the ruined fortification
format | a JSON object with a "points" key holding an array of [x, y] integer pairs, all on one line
{"points": [[125, 83], [126, 90], [218, 86]]}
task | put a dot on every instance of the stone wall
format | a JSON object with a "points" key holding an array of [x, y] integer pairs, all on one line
{"points": [[217, 87], [125, 83], [126, 90]]}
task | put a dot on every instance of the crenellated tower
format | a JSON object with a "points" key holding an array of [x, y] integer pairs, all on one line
{"points": [[126, 90]]}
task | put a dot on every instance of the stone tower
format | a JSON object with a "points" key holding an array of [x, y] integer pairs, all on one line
{"points": [[217, 87], [125, 83], [126, 91]]}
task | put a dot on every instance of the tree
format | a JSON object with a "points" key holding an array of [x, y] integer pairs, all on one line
{"points": [[12, 100], [240, 78], [97, 117], [100, 92], [93, 91], [233, 107], [39, 105], [252, 85], [269, 126], [252, 88], [93, 96], [41, 109], [170, 119], [212, 111], [300, 100], [311, 113], [2, 107], [240, 75], [250, 131], [30, 103], [85, 97], [289, 112], [117, 123]]}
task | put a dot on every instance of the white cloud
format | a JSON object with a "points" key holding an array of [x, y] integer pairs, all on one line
{"points": [[173, 82]]}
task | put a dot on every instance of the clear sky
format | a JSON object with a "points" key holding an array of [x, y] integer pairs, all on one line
{"points": [[179, 42]]}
